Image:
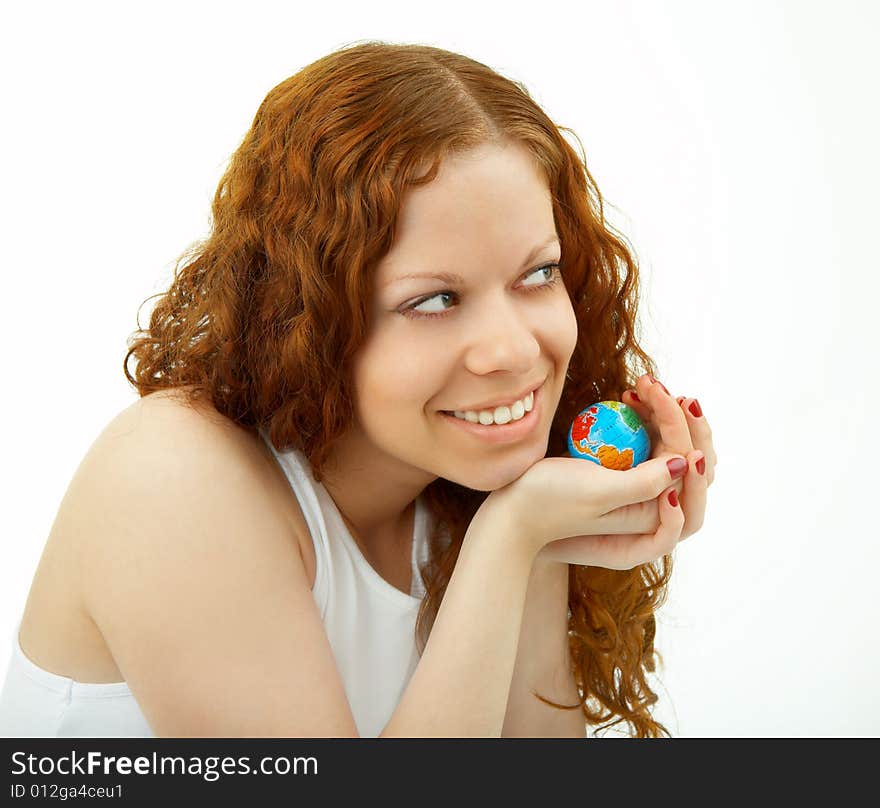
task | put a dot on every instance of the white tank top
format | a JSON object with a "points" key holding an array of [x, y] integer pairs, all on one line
{"points": [[370, 625]]}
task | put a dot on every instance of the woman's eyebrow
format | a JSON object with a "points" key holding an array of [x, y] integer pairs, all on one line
{"points": [[451, 277]]}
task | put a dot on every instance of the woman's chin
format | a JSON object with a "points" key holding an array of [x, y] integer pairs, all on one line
{"points": [[492, 479]]}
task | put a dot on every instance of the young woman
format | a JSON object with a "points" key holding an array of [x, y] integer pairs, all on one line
{"points": [[342, 504]]}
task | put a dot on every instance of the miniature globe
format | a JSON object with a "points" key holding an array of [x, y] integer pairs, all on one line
{"points": [[611, 434]]}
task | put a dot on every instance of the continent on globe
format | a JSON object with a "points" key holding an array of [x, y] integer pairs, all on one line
{"points": [[611, 434]]}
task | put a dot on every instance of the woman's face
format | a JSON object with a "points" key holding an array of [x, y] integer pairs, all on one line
{"points": [[502, 327]]}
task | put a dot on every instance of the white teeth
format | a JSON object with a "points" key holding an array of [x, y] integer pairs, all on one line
{"points": [[500, 415]]}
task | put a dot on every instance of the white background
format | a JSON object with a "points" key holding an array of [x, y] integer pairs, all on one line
{"points": [[735, 145]]}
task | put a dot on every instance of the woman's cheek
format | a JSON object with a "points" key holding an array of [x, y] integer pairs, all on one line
{"points": [[565, 328]]}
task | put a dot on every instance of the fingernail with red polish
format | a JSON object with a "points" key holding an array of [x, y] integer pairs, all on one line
{"points": [[673, 499], [701, 465], [657, 381], [677, 467], [695, 409], [679, 400], [635, 396]]}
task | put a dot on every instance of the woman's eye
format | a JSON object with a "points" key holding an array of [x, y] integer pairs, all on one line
{"points": [[413, 311], [547, 278], [426, 312]]}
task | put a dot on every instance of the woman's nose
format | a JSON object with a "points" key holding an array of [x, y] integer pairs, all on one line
{"points": [[504, 339]]}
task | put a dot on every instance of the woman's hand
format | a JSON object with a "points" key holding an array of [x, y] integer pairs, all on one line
{"points": [[572, 510], [577, 512], [678, 425]]}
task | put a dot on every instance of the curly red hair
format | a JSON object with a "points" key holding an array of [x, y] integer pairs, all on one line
{"points": [[264, 316]]}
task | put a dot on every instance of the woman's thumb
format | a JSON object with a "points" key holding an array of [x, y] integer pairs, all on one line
{"points": [[651, 478]]}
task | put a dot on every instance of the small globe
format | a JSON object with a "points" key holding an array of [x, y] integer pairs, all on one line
{"points": [[611, 434]]}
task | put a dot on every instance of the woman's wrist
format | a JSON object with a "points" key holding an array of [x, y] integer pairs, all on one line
{"points": [[498, 520]]}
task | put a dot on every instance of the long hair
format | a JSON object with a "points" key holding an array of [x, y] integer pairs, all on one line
{"points": [[264, 316]]}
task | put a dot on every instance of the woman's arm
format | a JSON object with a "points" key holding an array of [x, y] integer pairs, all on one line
{"points": [[543, 662], [460, 686]]}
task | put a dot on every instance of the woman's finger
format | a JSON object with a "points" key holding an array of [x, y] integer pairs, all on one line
{"points": [[643, 410], [668, 417], [647, 547], [623, 551], [701, 434], [639, 517], [693, 498], [642, 483]]}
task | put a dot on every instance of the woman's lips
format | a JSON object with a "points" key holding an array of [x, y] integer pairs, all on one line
{"points": [[502, 433]]}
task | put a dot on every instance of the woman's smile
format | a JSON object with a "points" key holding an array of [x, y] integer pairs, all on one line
{"points": [[501, 433]]}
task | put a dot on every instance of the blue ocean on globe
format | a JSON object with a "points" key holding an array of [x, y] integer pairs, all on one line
{"points": [[611, 434]]}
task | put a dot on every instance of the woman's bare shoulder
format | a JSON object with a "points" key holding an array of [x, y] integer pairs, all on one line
{"points": [[167, 410], [167, 434], [169, 430], [170, 458], [187, 561]]}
